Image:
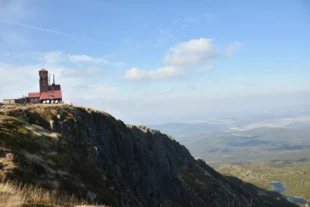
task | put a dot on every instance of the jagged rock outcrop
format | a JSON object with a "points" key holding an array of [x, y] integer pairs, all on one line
{"points": [[98, 158]]}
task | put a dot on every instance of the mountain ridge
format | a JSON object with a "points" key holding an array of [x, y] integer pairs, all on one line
{"points": [[92, 155]]}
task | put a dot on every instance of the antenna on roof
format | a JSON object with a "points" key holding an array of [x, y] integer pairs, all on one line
{"points": [[53, 79]]}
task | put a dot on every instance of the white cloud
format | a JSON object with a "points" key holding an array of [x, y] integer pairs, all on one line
{"points": [[233, 48], [86, 58], [193, 52], [53, 57], [206, 68], [165, 73], [169, 72], [135, 74], [93, 70]]}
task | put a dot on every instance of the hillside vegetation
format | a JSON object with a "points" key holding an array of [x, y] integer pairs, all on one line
{"points": [[294, 175]]}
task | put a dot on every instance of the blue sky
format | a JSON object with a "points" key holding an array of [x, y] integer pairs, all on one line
{"points": [[154, 62]]}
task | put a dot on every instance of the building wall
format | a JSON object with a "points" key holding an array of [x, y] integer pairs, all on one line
{"points": [[8, 101], [43, 81]]}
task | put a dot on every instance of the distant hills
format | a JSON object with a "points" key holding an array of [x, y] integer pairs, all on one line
{"points": [[182, 131], [245, 139], [260, 144]]}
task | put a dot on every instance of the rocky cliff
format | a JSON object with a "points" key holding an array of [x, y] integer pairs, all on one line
{"points": [[97, 158]]}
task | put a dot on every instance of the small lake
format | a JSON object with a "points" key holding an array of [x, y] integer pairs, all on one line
{"points": [[279, 187]]}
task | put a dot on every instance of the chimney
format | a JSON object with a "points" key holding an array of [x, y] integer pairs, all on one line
{"points": [[53, 79]]}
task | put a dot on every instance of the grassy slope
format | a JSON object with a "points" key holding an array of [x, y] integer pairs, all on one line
{"points": [[29, 154]]}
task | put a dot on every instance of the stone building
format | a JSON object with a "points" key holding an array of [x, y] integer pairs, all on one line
{"points": [[48, 92]]}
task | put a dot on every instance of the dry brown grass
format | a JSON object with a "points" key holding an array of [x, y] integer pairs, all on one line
{"points": [[20, 195]]}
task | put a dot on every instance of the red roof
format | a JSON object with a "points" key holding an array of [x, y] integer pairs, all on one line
{"points": [[51, 95], [34, 95], [43, 70]]}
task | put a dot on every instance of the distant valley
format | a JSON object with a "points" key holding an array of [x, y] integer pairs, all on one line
{"points": [[260, 144], [247, 139]]}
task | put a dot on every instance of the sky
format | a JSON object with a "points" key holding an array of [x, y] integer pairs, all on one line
{"points": [[152, 62]]}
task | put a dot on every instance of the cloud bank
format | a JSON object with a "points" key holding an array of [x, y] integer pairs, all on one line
{"points": [[193, 52]]}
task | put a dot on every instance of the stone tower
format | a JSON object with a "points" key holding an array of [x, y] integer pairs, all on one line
{"points": [[43, 80]]}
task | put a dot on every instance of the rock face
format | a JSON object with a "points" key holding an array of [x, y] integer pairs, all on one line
{"points": [[98, 158]]}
